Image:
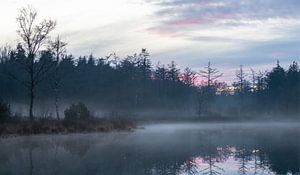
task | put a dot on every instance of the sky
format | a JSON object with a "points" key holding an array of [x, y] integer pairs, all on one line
{"points": [[228, 33]]}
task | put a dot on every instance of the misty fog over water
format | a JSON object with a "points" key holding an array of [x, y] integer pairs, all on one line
{"points": [[165, 148]]}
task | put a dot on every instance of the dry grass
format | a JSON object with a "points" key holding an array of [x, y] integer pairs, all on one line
{"points": [[63, 126]]}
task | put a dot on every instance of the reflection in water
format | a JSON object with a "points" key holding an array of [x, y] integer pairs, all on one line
{"points": [[208, 149], [247, 162]]}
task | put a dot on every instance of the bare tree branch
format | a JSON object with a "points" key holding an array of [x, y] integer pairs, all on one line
{"points": [[33, 37]]}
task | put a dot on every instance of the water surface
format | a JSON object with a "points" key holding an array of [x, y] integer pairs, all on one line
{"points": [[188, 148]]}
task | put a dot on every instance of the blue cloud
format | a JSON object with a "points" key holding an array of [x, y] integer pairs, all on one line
{"points": [[214, 12]]}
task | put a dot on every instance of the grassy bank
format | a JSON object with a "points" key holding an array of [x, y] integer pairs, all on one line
{"points": [[47, 126]]}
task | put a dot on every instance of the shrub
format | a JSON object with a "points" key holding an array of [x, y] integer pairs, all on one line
{"points": [[77, 112], [4, 111]]}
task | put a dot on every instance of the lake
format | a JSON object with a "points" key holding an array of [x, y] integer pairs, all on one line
{"points": [[165, 148]]}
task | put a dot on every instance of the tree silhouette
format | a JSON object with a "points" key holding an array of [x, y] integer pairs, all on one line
{"points": [[243, 157], [173, 72], [58, 49], [276, 79], [208, 91], [261, 81], [189, 76], [210, 74], [212, 168], [242, 84], [127, 86], [33, 37]]}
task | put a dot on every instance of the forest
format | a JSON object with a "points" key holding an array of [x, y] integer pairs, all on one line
{"points": [[38, 74], [133, 86]]}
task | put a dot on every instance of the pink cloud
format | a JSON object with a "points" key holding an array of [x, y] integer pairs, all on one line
{"points": [[188, 22]]}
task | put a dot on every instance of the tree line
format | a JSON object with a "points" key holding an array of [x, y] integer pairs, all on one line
{"points": [[39, 69]]}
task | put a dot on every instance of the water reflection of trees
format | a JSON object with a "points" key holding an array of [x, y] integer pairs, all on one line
{"points": [[258, 154], [212, 168], [243, 156], [211, 164], [184, 154]]}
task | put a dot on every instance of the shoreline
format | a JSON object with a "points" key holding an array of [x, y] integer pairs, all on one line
{"points": [[57, 127], [26, 128]]}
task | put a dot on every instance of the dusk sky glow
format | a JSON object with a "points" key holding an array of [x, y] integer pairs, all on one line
{"points": [[254, 33]]}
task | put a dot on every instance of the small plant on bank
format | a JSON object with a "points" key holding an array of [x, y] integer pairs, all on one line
{"points": [[4, 111], [77, 111]]}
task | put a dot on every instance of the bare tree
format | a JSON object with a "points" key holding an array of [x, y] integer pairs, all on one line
{"points": [[261, 80], [211, 74], [254, 80], [58, 49], [241, 76], [258, 80], [33, 37], [207, 93]]}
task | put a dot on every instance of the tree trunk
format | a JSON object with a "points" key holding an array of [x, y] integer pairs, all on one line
{"points": [[56, 106], [31, 103], [56, 86], [31, 88]]}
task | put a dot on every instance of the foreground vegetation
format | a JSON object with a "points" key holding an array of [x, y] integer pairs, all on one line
{"points": [[77, 119], [62, 126]]}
